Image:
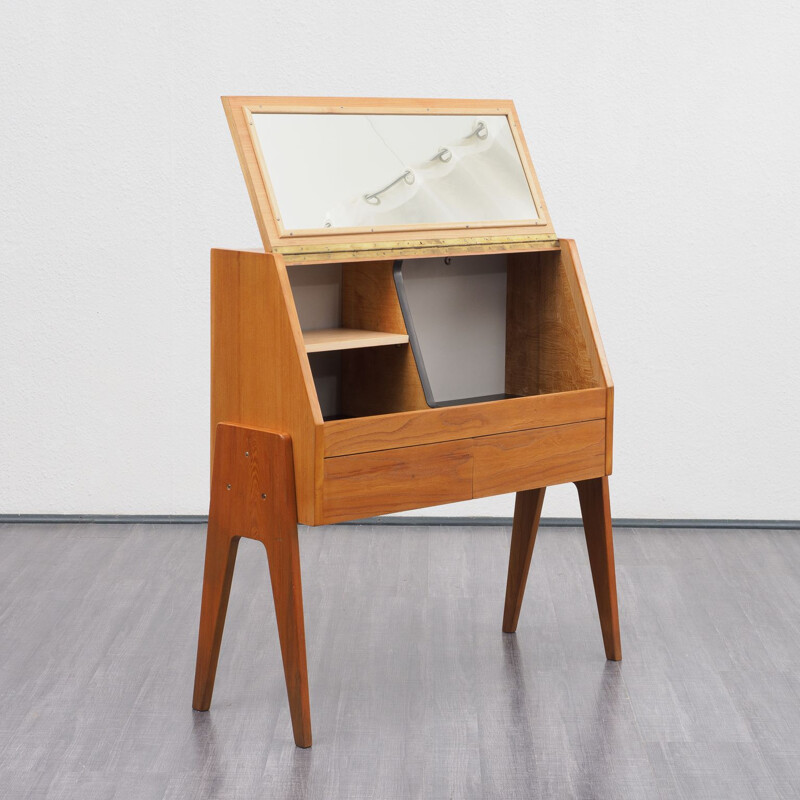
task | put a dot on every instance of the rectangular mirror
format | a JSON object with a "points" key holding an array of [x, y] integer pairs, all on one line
{"points": [[376, 170], [356, 175]]}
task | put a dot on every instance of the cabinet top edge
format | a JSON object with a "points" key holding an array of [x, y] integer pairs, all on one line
{"points": [[408, 249]]}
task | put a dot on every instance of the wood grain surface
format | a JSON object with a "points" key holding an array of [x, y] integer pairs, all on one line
{"points": [[260, 375], [348, 436], [382, 381], [395, 480], [322, 341], [253, 496], [511, 462]]}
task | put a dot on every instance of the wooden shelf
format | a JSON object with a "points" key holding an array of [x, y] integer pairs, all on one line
{"points": [[349, 339]]}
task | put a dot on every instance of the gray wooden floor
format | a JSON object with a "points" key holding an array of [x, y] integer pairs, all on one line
{"points": [[415, 692]]}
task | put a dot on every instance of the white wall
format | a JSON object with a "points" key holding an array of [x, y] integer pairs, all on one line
{"points": [[666, 139]]}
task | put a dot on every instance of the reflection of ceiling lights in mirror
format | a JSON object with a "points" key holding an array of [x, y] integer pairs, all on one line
{"points": [[373, 199], [481, 131], [444, 155], [337, 171]]}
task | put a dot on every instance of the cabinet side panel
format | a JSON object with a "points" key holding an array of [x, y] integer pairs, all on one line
{"points": [[549, 347], [576, 283], [591, 332], [380, 380], [565, 354], [258, 376], [225, 363], [609, 429]]}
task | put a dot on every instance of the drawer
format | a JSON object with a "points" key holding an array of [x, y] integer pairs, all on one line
{"points": [[363, 434], [512, 462], [385, 481]]}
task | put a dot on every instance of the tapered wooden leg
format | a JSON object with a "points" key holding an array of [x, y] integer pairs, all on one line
{"points": [[217, 578], [527, 511], [283, 554], [253, 495], [596, 512]]}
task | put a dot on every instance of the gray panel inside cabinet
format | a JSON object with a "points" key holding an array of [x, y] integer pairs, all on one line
{"points": [[456, 317], [317, 292], [326, 369]]}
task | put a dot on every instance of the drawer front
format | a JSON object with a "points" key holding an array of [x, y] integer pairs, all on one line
{"points": [[364, 434], [512, 462], [385, 481]]}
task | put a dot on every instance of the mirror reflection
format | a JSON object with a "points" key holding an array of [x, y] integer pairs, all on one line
{"points": [[364, 171]]}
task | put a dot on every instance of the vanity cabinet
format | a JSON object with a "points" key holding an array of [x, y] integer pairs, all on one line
{"points": [[413, 333]]}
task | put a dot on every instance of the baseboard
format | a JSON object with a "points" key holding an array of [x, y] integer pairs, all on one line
{"points": [[108, 519], [550, 522], [573, 522]]}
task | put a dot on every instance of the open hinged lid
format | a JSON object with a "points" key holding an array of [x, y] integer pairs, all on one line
{"points": [[366, 178]]}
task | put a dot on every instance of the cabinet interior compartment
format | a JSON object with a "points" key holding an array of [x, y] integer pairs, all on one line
{"points": [[493, 327], [365, 365], [549, 347], [384, 337]]}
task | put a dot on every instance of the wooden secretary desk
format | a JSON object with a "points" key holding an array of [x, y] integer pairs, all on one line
{"points": [[412, 334]]}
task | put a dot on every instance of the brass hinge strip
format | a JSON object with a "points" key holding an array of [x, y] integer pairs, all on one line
{"points": [[418, 252], [354, 247]]}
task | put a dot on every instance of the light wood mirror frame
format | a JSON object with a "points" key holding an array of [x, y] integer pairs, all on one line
{"points": [[239, 111]]}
